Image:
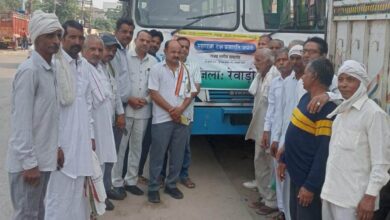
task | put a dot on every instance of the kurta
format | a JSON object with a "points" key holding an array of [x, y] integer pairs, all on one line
{"points": [[102, 115], [359, 155], [76, 124], [260, 105]]}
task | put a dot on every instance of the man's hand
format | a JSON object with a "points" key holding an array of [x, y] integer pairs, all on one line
{"points": [[317, 102], [120, 121], [32, 176], [136, 103], [60, 158], [305, 197], [93, 144], [274, 148], [281, 171], [265, 140], [279, 153], [365, 209], [176, 113]]}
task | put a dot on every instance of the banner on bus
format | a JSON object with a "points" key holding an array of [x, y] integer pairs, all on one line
{"points": [[225, 59]]}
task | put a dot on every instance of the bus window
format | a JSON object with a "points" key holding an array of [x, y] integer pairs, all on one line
{"points": [[284, 15], [175, 13]]}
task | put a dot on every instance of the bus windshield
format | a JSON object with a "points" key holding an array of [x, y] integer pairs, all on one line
{"points": [[177, 13], [284, 15]]}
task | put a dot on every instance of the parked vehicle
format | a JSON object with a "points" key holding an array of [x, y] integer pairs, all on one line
{"points": [[13, 30]]}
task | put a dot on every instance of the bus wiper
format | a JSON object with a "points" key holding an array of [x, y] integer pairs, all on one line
{"points": [[199, 18]]}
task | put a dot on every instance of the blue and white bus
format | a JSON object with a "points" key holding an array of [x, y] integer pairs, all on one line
{"points": [[223, 35]]}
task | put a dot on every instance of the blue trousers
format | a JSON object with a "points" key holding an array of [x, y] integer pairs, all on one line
{"points": [[187, 156]]}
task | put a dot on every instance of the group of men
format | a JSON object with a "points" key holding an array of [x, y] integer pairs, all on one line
{"points": [[81, 107], [319, 140]]}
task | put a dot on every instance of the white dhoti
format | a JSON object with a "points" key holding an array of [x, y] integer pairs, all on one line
{"points": [[331, 211], [65, 198]]}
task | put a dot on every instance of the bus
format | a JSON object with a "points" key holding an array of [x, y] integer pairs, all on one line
{"points": [[224, 35]]}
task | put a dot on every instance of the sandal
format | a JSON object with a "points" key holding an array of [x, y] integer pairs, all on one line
{"points": [[188, 183], [279, 216]]}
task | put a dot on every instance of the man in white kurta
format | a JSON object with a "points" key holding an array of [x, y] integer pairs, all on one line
{"points": [[275, 92], [263, 60], [138, 112], [66, 198], [32, 151], [359, 150], [101, 103]]}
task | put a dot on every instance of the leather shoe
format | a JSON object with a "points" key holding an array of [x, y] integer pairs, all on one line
{"points": [[134, 190], [174, 192], [115, 195], [109, 205], [154, 196], [121, 191]]}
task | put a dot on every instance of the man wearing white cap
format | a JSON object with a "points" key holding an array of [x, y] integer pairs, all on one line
{"points": [[32, 151], [359, 150]]}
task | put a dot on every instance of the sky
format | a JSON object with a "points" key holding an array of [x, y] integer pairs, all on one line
{"points": [[99, 3]]}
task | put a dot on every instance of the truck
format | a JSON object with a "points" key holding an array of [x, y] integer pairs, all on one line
{"points": [[223, 36], [360, 30], [13, 27]]}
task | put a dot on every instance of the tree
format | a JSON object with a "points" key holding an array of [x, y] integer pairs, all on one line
{"points": [[102, 24], [64, 9], [112, 15], [9, 5]]}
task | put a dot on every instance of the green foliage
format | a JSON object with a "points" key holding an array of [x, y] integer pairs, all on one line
{"points": [[64, 9], [9, 5], [102, 24], [112, 15]]}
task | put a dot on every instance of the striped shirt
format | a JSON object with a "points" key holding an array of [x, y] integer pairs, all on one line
{"points": [[307, 144]]}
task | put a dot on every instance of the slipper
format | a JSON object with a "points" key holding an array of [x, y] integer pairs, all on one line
{"points": [[188, 183]]}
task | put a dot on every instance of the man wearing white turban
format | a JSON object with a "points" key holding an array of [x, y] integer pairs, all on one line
{"points": [[359, 150], [32, 151]]}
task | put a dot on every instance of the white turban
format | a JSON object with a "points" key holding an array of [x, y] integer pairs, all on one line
{"points": [[43, 23], [296, 50], [357, 70]]}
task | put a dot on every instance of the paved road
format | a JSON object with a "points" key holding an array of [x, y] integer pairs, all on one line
{"points": [[218, 172]]}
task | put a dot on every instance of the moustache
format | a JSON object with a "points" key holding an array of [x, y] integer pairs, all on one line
{"points": [[76, 47]]}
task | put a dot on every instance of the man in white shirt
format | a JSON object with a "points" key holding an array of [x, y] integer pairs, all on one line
{"points": [[117, 112], [102, 110], [138, 112], [196, 77], [275, 92], [359, 150], [263, 61], [66, 197], [32, 151], [124, 34], [170, 89]]}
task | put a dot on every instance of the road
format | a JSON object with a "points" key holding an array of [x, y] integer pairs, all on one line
{"points": [[218, 170]]}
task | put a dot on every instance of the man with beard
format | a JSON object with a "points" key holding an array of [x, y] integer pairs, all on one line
{"points": [[155, 44], [275, 91], [66, 197], [109, 51], [32, 151], [138, 112], [170, 89]]}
